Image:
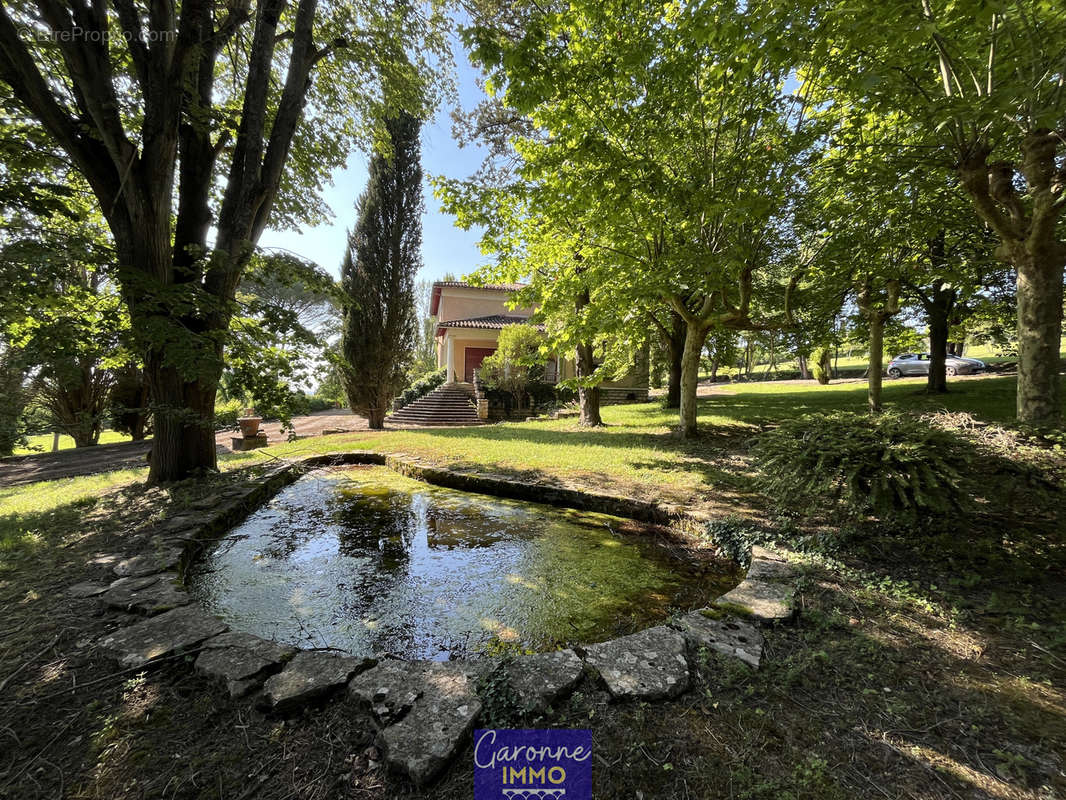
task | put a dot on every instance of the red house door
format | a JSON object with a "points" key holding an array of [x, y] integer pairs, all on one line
{"points": [[472, 358]]}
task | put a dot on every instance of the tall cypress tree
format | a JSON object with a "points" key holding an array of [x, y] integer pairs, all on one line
{"points": [[378, 275]]}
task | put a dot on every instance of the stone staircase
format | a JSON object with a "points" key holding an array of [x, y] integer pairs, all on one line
{"points": [[450, 404]]}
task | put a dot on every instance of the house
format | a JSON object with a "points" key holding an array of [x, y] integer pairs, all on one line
{"points": [[469, 321]]}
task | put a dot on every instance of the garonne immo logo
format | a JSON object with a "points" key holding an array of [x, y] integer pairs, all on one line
{"points": [[532, 764]]}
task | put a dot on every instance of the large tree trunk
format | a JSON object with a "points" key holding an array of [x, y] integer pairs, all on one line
{"points": [[877, 359], [695, 338], [588, 397], [375, 419], [183, 443], [673, 381], [937, 382], [675, 346], [939, 305], [1028, 227], [1039, 338], [805, 373]]}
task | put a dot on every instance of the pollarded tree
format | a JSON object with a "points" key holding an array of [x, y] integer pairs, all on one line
{"points": [[982, 84], [197, 125], [378, 275], [661, 158]]}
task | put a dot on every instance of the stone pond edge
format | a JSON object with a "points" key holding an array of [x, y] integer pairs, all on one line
{"points": [[648, 665]]}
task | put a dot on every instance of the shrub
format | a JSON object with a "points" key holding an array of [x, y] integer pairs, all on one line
{"points": [[846, 464], [317, 402], [821, 365], [516, 364], [421, 387], [226, 413]]}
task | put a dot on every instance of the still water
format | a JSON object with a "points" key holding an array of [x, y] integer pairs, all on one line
{"points": [[367, 561]]}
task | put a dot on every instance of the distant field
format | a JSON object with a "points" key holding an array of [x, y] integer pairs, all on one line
{"points": [[43, 443]]}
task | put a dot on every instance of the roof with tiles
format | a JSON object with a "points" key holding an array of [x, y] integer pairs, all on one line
{"points": [[491, 322]]}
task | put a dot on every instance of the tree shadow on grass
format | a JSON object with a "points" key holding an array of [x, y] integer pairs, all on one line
{"points": [[974, 709], [705, 467]]}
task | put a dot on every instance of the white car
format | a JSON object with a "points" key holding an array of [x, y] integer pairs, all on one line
{"points": [[918, 364]]}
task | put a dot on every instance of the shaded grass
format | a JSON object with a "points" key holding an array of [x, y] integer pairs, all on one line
{"points": [[29, 512], [923, 667]]}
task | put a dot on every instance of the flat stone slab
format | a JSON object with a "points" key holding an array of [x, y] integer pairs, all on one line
{"points": [[428, 735], [148, 563], [649, 665], [149, 595], [541, 679], [241, 661], [389, 690], [761, 599], [168, 634], [87, 589], [764, 569], [758, 552], [181, 522], [723, 634], [309, 677]]}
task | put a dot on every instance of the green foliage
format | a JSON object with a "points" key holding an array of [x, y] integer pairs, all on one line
{"points": [[502, 708], [734, 535], [656, 159], [227, 412], [12, 401], [894, 466], [62, 316], [517, 362], [422, 387], [821, 365], [287, 305], [378, 272]]}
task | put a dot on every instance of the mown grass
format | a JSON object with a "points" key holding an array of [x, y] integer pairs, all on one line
{"points": [[984, 352], [924, 666], [27, 512], [989, 399], [42, 443], [637, 452]]}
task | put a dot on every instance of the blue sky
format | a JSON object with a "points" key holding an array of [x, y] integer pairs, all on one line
{"points": [[445, 248]]}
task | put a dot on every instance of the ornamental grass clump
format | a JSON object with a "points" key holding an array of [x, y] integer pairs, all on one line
{"points": [[893, 466]]}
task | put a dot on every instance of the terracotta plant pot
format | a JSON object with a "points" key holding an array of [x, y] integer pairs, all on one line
{"points": [[249, 426]]}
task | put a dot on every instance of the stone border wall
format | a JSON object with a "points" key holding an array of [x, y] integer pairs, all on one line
{"points": [[424, 710]]}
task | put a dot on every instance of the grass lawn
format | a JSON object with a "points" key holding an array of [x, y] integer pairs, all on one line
{"points": [[990, 399], [42, 443], [984, 352], [923, 666], [637, 453]]}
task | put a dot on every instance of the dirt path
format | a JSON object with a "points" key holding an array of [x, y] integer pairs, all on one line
{"points": [[18, 470], [340, 420], [69, 463]]}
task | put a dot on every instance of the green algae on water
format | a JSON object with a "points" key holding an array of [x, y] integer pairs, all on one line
{"points": [[373, 563]]}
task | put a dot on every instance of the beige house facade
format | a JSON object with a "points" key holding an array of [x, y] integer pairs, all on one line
{"points": [[469, 321]]}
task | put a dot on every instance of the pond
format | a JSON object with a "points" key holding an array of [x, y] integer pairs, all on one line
{"points": [[367, 561]]}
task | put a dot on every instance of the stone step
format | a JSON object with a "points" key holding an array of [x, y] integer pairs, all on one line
{"points": [[445, 405]]}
